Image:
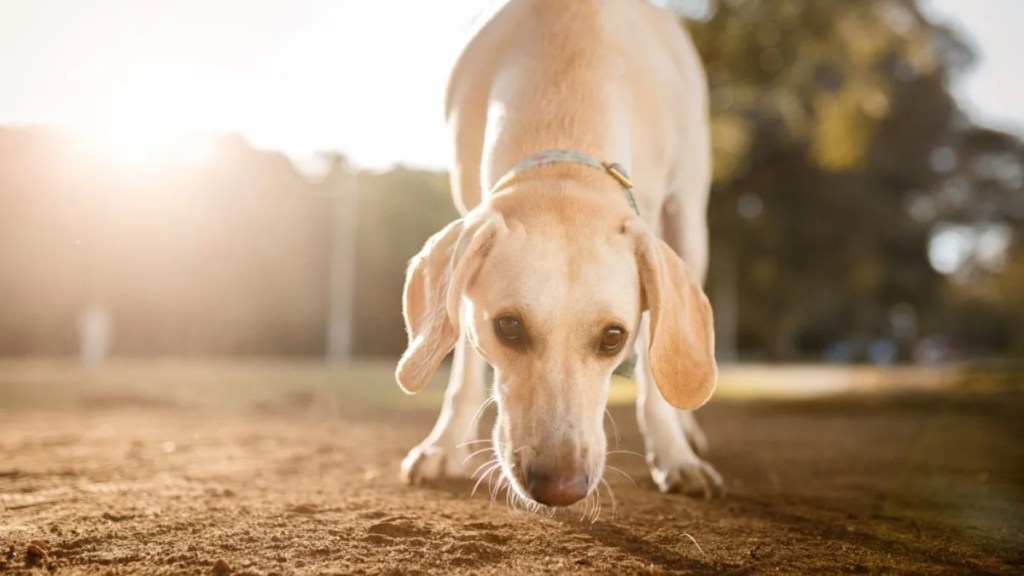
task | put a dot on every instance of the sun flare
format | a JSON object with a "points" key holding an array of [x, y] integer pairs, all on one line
{"points": [[150, 120]]}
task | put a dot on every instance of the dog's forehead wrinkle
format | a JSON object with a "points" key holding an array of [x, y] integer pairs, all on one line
{"points": [[562, 284]]}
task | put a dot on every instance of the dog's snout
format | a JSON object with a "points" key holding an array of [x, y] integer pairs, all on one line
{"points": [[556, 488]]}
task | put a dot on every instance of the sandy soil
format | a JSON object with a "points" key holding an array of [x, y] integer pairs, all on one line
{"points": [[928, 484]]}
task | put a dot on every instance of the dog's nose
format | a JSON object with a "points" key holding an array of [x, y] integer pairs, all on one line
{"points": [[556, 489]]}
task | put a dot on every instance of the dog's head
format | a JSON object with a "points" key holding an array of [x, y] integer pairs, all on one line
{"points": [[553, 300]]}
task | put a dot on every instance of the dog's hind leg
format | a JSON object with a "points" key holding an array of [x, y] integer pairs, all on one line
{"points": [[444, 453]]}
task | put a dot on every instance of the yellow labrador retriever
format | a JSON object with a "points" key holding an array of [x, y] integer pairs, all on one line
{"points": [[557, 268]]}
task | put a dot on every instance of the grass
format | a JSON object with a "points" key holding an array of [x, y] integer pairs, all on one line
{"points": [[206, 383], [268, 383]]}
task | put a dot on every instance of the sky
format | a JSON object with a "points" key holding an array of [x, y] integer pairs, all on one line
{"points": [[993, 92], [365, 78]]}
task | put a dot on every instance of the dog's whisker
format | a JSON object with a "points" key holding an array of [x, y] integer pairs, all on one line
{"points": [[615, 426], [491, 461], [477, 485], [611, 495], [474, 422], [487, 474], [493, 490], [480, 451], [509, 499], [471, 442], [502, 482], [490, 478], [621, 473], [497, 488], [515, 500], [502, 479], [519, 501], [630, 452]]}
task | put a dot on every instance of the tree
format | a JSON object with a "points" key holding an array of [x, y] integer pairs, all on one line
{"points": [[825, 117]]}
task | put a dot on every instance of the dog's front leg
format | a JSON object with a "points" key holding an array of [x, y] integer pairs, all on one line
{"points": [[444, 452], [674, 464]]}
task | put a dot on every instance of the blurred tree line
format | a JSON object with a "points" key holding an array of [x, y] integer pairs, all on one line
{"points": [[224, 257], [857, 214], [841, 159]]}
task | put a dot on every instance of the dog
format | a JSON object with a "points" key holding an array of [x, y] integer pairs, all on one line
{"points": [[582, 171]]}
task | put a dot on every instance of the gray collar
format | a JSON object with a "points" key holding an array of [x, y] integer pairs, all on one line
{"points": [[561, 155]]}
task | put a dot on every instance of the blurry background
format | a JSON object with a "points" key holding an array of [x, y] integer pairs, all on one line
{"points": [[231, 178]]}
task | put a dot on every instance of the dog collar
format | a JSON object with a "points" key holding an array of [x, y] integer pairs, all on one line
{"points": [[561, 155]]}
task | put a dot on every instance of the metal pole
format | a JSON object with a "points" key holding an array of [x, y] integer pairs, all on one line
{"points": [[340, 185]]}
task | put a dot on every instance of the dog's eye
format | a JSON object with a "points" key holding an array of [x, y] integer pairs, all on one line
{"points": [[509, 328], [612, 340]]}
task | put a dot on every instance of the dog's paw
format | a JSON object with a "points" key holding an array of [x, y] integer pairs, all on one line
{"points": [[690, 476], [432, 461]]}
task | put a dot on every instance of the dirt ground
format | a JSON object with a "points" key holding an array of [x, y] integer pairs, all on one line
{"points": [[930, 483]]}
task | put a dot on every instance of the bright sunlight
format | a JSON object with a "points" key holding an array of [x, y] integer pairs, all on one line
{"points": [[150, 120]]}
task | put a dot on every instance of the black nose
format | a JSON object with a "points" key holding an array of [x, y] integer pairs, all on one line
{"points": [[556, 489]]}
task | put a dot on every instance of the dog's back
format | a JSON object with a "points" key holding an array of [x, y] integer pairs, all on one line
{"points": [[616, 78]]}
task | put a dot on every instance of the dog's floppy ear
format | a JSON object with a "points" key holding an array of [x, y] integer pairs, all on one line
{"points": [[434, 283], [682, 339]]}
